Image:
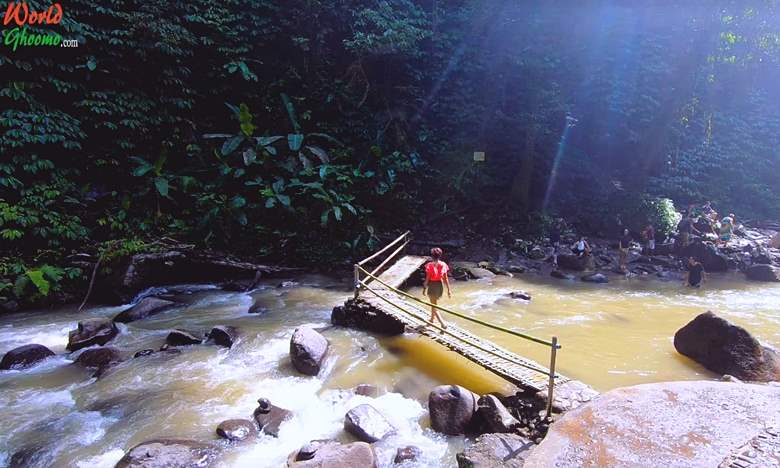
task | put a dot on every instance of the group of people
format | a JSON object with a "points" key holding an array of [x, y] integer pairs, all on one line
{"points": [[705, 220]]}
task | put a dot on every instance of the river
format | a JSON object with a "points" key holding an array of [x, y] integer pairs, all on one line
{"points": [[612, 335]]}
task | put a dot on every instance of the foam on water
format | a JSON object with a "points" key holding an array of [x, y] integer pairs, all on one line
{"points": [[105, 460]]}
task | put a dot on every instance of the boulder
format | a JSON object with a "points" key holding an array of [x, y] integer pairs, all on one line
{"points": [[409, 453], [223, 335], [258, 307], [367, 390], [307, 350], [761, 257], [480, 273], [766, 273], [451, 409], [25, 356], [680, 424], [493, 450], [169, 453], [236, 430], [99, 358], [269, 417], [573, 262], [181, 338], [561, 275], [595, 278], [146, 307], [725, 348], [775, 241], [536, 253], [707, 254], [495, 416], [522, 295], [333, 455], [367, 424], [357, 313], [90, 332]]}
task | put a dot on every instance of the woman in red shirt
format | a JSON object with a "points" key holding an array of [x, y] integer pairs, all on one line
{"points": [[435, 278]]}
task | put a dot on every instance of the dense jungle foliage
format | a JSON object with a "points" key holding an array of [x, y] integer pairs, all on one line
{"points": [[302, 129]]}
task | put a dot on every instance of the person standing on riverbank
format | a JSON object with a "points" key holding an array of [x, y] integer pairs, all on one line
{"points": [[695, 275], [555, 240], [623, 245], [436, 277], [685, 228], [649, 234]]}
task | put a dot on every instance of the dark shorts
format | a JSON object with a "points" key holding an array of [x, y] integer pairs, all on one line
{"points": [[435, 289]]}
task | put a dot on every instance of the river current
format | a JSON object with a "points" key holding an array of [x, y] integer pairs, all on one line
{"points": [[613, 335]]}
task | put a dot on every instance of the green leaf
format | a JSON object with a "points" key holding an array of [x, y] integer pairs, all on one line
{"points": [[284, 200], [270, 202], [36, 276], [161, 184], [238, 202], [91, 63], [294, 141], [231, 144], [323, 171], [249, 156], [350, 208], [320, 153], [324, 217], [265, 141], [291, 114], [337, 212]]}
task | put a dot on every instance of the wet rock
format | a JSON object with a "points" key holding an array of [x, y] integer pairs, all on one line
{"points": [[236, 430], [169, 453], [336, 455], [167, 349], [143, 353], [308, 451], [27, 457], [707, 254], [8, 307], [223, 335], [766, 273], [664, 424], [25, 356], [181, 338], [536, 253], [451, 409], [90, 332], [359, 314], [236, 285], [522, 295], [287, 284], [493, 450], [495, 416], [561, 275], [100, 358], [367, 424], [595, 278], [775, 241], [573, 262], [258, 308], [367, 390], [146, 307], [516, 269], [307, 350], [725, 348], [408, 453], [270, 417], [480, 273], [761, 257]]}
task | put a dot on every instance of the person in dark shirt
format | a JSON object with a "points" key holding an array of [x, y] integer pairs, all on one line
{"points": [[695, 275], [685, 228], [649, 235], [623, 246]]}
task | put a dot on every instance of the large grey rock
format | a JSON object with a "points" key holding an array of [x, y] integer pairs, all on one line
{"points": [[480, 273], [766, 273], [595, 278], [182, 338], [95, 331], [496, 450], [680, 424], [169, 453], [367, 424], [573, 262], [707, 254], [99, 357], [561, 275], [451, 409], [409, 453], [334, 455], [357, 313], [223, 335], [495, 416], [269, 417], [725, 348], [146, 307], [236, 430], [307, 350], [25, 356]]}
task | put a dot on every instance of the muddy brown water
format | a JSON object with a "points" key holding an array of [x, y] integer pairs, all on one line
{"points": [[612, 335]]}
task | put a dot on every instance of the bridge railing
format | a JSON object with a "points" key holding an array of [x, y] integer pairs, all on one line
{"points": [[402, 241]]}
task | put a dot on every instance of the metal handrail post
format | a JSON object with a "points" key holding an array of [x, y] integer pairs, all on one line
{"points": [[551, 384], [357, 280]]}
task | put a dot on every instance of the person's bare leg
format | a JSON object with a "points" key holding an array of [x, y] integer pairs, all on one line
{"points": [[433, 310]]}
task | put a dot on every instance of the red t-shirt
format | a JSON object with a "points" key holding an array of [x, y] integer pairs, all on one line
{"points": [[435, 271]]}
